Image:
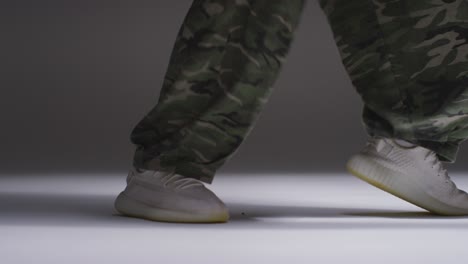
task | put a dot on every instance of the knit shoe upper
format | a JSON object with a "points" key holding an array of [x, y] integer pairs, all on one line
{"points": [[170, 197], [411, 172]]}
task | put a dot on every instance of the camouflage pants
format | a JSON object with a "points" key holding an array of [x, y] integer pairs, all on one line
{"points": [[407, 59]]}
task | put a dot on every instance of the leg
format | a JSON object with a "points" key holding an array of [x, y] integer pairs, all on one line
{"points": [[225, 60], [227, 55], [409, 62]]}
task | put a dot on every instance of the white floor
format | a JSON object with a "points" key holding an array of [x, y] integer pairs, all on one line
{"points": [[275, 219]]}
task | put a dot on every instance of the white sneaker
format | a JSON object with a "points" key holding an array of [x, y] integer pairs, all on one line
{"points": [[410, 172], [169, 197]]}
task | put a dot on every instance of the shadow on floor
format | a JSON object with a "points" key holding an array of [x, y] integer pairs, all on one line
{"points": [[38, 209]]}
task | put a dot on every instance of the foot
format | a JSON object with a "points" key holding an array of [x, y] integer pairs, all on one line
{"points": [[169, 197], [410, 172]]}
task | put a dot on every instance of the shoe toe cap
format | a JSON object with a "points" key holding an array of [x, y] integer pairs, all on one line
{"points": [[205, 202]]}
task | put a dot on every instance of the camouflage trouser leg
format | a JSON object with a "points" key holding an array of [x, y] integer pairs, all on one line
{"points": [[408, 59], [226, 57]]}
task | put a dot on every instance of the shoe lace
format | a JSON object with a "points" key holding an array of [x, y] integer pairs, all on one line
{"points": [[177, 181], [432, 158]]}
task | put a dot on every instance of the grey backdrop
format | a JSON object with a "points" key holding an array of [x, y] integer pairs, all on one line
{"points": [[76, 76]]}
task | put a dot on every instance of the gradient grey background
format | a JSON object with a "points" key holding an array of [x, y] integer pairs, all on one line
{"points": [[76, 76]]}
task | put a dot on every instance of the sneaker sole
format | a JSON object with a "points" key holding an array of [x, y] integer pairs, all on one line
{"points": [[130, 207], [370, 171]]}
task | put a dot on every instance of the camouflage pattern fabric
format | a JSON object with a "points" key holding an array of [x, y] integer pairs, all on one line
{"points": [[226, 58], [409, 62], [407, 59]]}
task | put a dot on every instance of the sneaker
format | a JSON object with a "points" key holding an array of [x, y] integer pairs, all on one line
{"points": [[410, 172], [169, 197]]}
